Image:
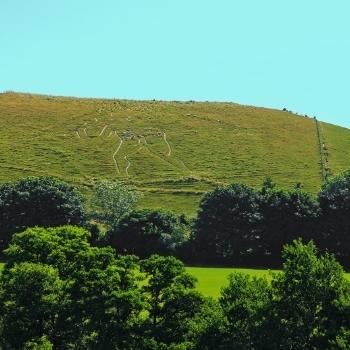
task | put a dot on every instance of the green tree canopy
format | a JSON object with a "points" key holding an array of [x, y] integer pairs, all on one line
{"points": [[101, 303], [148, 231], [244, 302], [37, 201], [305, 307], [59, 292], [172, 301], [285, 216], [307, 311], [113, 200], [227, 224], [334, 199], [30, 298]]}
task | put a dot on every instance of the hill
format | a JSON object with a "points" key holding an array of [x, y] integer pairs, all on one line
{"points": [[173, 151]]}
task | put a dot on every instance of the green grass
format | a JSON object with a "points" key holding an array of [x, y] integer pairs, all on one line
{"points": [[211, 279], [211, 143], [336, 140]]}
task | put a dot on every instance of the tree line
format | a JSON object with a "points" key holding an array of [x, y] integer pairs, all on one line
{"points": [[57, 291], [235, 224], [240, 225]]}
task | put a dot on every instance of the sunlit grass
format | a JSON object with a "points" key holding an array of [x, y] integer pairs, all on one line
{"points": [[174, 151], [212, 279]]}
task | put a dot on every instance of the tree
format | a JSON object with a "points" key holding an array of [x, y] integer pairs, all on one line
{"points": [[113, 200], [172, 300], [30, 297], [41, 343], [334, 199], [62, 247], [244, 302], [102, 302], [239, 225], [307, 309], [208, 329], [37, 201], [147, 231], [59, 292], [285, 216], [226, 229], [103, 314]]}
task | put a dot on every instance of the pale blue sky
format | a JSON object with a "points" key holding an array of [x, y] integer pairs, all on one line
{"points": [[273, 53]]}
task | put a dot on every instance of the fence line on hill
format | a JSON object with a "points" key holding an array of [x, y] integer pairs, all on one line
{"points": [[321, 148]]}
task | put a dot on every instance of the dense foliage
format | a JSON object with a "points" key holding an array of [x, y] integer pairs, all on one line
{"points": [[147, 231], [37, 201], [305, 307], [227, 224], [240, 225], [235, 225], [334, 199], [56, 285], [59, 292], [285, 216], [113, 200]]}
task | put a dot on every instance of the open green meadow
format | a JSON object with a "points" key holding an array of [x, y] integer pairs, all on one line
{"points": [[173, 151], [212, 279]]}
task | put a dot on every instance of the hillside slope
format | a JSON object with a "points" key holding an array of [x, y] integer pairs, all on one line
{"points": [[173, 151]]}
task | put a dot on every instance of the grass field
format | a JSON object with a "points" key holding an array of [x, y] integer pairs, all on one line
{"points": [[173, 151], [211, 279]]}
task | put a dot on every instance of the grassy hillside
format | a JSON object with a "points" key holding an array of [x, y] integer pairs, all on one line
{"points": [[173, 151], [337, 145]]}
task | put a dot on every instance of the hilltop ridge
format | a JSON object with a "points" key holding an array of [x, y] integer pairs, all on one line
{"points": [[174, 151]]}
